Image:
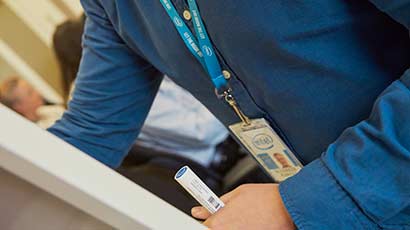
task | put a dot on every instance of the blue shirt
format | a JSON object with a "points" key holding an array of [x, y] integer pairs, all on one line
{"points": [[330, 77], [179, 124]]}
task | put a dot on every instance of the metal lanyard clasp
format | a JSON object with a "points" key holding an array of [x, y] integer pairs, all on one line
{"points": [[230, 99]]}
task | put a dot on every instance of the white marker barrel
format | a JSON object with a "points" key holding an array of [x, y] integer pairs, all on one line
{"points": [[198, 189]]}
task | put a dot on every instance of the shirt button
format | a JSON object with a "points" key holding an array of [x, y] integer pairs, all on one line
{"points": [[227, 74], [187, 15]]}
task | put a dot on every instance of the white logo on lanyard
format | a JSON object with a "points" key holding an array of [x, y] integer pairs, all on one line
{"points": [[207, 50], [178, 22]]}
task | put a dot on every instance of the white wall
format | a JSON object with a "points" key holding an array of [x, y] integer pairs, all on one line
{"points": [[22, 69], [42, 16], [5, 70], [27, 27]]}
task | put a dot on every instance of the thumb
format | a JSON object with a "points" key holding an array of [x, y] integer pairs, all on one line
{"points": [[200, 212]]}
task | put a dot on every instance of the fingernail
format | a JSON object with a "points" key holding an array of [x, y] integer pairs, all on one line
{"points": [[196, 210]]}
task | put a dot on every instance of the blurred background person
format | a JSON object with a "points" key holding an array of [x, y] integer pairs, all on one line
{"points": [[67, 46], [20, 96]]}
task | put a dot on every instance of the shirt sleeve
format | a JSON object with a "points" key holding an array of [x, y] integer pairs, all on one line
{"points": [[362, 181], [113, 93]]}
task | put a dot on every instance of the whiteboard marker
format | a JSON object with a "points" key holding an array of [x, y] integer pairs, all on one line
{"points": [[198, 189]]}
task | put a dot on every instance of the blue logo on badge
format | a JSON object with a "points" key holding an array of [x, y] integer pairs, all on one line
{"points": [[262, 142]]}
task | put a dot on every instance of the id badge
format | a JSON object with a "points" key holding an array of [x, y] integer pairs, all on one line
{"points": [[267, 148]]}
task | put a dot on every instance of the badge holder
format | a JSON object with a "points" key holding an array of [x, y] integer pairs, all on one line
{"points": [[267, 148], [265, 145]]}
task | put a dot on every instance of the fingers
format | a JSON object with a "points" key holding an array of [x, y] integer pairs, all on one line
{"points": [[228, 196], [210, 223], [223, 220], [217, 222], [200, 212]]}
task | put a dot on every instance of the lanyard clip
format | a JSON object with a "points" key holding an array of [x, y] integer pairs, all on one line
{"points": [[229, 98], [221, 93]]}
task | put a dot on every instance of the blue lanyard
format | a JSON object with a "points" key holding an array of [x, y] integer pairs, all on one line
{"points": [[200, 46]]}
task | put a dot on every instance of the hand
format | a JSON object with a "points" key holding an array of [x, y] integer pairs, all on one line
{"points": [[251, 206]]}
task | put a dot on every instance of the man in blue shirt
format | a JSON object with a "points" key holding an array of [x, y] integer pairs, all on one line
{"points": [[329, 76]]}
